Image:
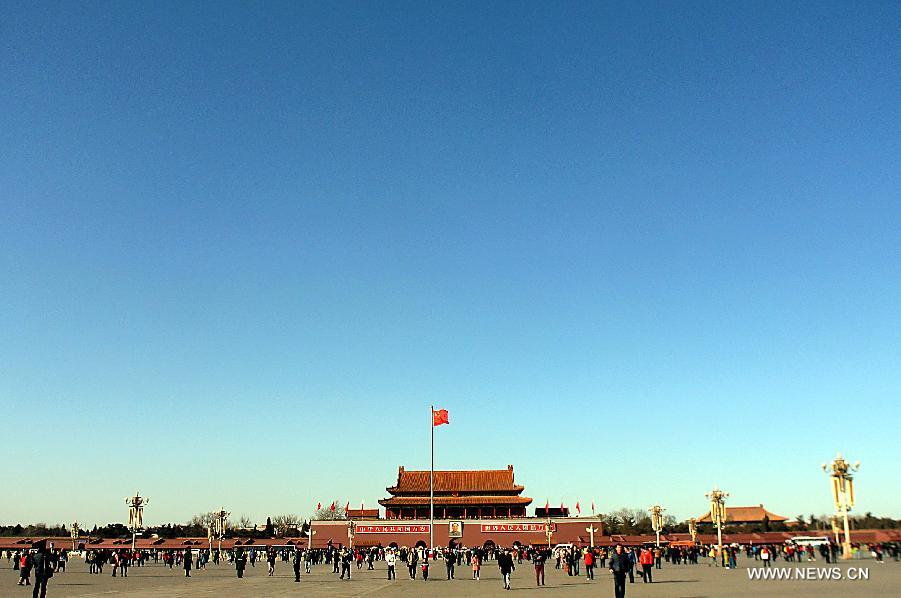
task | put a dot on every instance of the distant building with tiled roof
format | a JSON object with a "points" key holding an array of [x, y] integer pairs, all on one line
{"points": [[745, 515], [476, 494]]}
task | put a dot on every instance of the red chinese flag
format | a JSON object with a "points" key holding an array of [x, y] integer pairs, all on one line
{"points": [[578, 510], [440, 417], [347, 507], [332, 507], [318, 506], [592, 506], [547, 506]]}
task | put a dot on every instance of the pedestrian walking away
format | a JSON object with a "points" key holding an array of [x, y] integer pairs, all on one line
{"points": [[620, 565]]}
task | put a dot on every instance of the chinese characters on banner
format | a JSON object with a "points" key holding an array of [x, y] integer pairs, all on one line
{"points": [[516, 527], [393, 529]]}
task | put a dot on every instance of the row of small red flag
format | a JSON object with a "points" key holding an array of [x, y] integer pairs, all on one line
{"points": [[334, 506], [547, 506]]}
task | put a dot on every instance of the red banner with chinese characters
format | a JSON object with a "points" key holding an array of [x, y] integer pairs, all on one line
{"points": [[517, 527], [392, 529]]}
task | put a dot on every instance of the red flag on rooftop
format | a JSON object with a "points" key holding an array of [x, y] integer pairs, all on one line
{"points": [[332, 508], [318, 506], [361, 505], [439, 417], [578, 510], [592, 507], [547, 506], [347, 507]]}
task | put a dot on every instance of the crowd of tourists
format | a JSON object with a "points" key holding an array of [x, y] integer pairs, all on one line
{"points": [[456, 562]]}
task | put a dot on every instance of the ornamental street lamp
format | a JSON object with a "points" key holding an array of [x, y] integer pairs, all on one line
{"points": [[591, 529], [220, 524], [833, 521], [74, 534], [657, 520], [693, 530], [310, 533], [351, 531], [843, 493], [135, 515], [718, 514], [549, 531]]}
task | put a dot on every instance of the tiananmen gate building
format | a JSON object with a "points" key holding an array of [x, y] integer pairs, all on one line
{"points": [[472, 508], [458, 495]]}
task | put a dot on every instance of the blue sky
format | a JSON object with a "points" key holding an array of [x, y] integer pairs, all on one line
{"points": [[634, 249]]}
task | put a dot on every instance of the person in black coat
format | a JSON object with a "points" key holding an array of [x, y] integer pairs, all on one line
{"points": [[450, 559], [240, 562], [505, 564], [43, 569], [620, 565], [298, 557]]}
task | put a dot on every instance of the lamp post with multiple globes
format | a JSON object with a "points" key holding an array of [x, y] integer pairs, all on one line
{"points": [[74, 534], [657, 520], [135, 515], [718, 514], [220, 524], [842, 475]]}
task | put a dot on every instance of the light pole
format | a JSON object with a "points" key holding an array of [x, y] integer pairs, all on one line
{"points": [[74, 534], [718, 514], [693, 530], [310, 533], [657, 520], [833, 521], [843, 494], [591, 529], [220, 524], [135, 515], [549, 531]]}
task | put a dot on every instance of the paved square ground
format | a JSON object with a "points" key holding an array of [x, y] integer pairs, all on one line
{"points": [[220, 582]]}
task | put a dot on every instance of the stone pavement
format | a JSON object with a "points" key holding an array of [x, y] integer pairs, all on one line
{"points": [[220, 582]]}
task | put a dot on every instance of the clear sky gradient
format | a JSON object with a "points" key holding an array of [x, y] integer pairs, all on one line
{"points": [[635, 250]]}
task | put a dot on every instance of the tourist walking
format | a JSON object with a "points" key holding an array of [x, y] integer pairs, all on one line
{"points": [[505, 564], [647, 565], [188, 561], [538, 559], [298, 556], [425, 566], [346, 557], [411, 563], [391, 561], [25, 563], [270, 559], [42, 562], [476, 560], [620, 565], [589, 565], [450, 559]]}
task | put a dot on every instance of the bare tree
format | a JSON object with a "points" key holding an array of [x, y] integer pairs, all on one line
{"points": [[327, 514], [283, 523], [244, 522], [202, 520]]}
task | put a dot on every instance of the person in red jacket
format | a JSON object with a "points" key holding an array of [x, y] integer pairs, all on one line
{"points": [[589, 565], [646, 558]]}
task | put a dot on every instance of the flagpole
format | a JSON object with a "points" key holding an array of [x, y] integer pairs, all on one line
{"points": [[432, 483]]}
